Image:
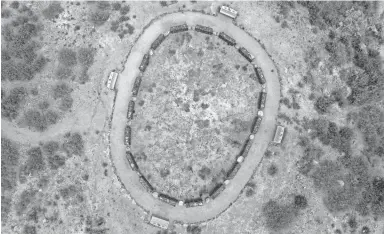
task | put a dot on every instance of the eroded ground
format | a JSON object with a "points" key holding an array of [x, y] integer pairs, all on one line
{"points": [[195, 107]]}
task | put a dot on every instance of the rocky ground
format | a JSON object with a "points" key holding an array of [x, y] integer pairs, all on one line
{"points": [[195, 108]]}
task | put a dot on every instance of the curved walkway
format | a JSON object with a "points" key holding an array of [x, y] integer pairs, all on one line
{"points": [[124, 86]]}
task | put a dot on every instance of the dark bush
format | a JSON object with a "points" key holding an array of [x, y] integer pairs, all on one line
{"points": [[272, 170], [114, 26], [378, 196], [322, 104], [103, 5], [35, 162], [56, 161], [66, 103], [43, 105], [85, 56], [28, 229], [53, 10], [164, 173], [249, 192], [163, 3], [64, 73], [15, 4], [278, 217], [84, 77], [116, 6], [51, 117], [34, 119], [67, 57], [69, 191], [61, 90], [9, 153], [74, 144], [193, 229], [51, 147], [98, 18], [16, 71], [300, 202], [11, 104], [38, 64], [131, 29], [204, 172], [124, 10], [6, 204], [306, 163], [5, 13], [9, 161], [26, 198], [327, 175]]}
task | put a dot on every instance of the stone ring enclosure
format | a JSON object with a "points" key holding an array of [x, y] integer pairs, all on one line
{"points": [[223, 194]]}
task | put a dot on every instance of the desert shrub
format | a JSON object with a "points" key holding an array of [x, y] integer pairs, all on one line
{"points": [[272, 170], [131, 29], [124, 10], [204, 172], [66, 103], [377, 205], [56, 161], [99, 17], [67, 57], [61, 90], [5, 55], [370, 121], [6, 204], [51, 147], [193, 229], [84, 77], [43, 105], [103, 5], [68, 191], [53, 10], [11, 104], [34, 119], [5, 13], [51, 117], [63, 73], [164, 173], [9, 160], [38, 64], [330, 134], [9, 152], [28, 229], [300, 202], [85, 56], [322, 104], [163, 3], [249, 192], [14, 4], [26, 198], [35, 162], [306, 162], [327, 175], [74, 144], [278, 217], [114, 26], [340, 199], [116, 6]]}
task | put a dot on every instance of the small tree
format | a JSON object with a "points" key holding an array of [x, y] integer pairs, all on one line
{"points": [[85, 56], [53, 10], [67, 57]]}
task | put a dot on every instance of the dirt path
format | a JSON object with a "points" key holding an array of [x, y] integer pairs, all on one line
{"points": [[130, 179]]}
